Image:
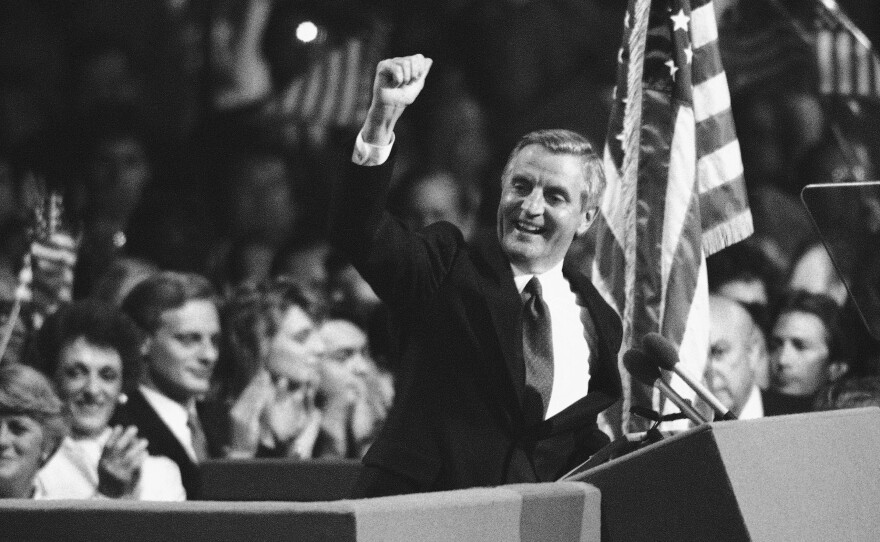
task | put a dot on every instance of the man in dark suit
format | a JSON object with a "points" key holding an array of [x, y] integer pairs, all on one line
{"points": [[508, 355], [179, 314]]}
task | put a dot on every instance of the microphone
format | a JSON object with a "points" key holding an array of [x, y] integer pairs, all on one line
{"points": [[641, 368], [665, 354]]}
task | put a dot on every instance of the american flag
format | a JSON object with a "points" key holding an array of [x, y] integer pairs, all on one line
{"points": [[848, 65], [675, 191], [335, 91]]}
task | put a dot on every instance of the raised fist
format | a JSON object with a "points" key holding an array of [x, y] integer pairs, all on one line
{"points": [[400, 80]]}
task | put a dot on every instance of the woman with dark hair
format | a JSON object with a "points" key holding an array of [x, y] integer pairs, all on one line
{"points": [[90, 350], [31, 426]]}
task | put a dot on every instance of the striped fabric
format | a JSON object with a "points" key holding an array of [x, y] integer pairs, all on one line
{"points": [[675, 191], [848, 65], [335, 91]]}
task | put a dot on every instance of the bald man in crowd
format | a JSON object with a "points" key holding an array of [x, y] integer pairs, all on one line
{"points": [[736, 353]]}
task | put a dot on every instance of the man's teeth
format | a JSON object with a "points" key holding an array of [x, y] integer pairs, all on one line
{"points": [[528, 228]]}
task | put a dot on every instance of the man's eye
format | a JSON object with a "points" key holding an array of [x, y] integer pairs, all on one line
{"points": [[555, 198], [187, 339], [110, 375], [520, 186], [301, 336], [17, 427], [74, 372]]}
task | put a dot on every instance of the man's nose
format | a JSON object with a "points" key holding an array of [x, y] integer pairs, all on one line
{"points": [[314, 345], [534, 203], [786, 356], [5, 434], [209, 349], [92, 385]]}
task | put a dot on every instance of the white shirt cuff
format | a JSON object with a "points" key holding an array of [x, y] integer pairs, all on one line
{"points": [[367, 154]]}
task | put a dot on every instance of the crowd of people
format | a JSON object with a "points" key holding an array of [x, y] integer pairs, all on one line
{"points": [[183, 301]]}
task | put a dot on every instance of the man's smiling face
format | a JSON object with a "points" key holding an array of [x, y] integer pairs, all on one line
{"points": [[542, 208]]}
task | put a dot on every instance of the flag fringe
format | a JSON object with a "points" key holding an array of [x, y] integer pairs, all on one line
{"points": [[733, 231]]}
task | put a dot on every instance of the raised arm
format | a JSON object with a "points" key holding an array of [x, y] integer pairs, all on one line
{"points": [[403, 267], [397, 84]]}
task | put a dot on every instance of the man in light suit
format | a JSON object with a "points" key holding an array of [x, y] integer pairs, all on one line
{"points": [[504, 375]]}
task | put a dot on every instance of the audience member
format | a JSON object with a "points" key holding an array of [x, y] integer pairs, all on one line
{"points": [[304, 261], [31, 427], [807, 351], [371, 390], [814, 271], [20, 333], [118, 161], [123, 274], [249, 261], [736, 353], [427, 197], [178, 312], [850, 392], [744, 273], [271, 372], [90, 350]]}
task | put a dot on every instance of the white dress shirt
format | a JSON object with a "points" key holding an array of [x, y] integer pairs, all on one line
{"points": [[367, 154], [754, 407], [571, 351], [72, 473], [174, 415]]}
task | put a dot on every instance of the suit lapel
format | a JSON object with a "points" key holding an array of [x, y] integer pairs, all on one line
{"points": [[150, 426], [606, 376], [505, 306]]}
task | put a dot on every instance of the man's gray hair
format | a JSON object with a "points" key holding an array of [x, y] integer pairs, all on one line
{"points": [[560, 141]]}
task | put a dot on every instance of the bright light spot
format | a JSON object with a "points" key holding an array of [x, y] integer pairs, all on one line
{"points": [[306, 32]]}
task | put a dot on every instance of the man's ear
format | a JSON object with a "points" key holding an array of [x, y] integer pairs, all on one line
{"points": [[146, 345], [757, 348], [837, 369], [587, 219]]}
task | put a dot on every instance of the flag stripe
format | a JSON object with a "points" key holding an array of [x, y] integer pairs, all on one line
{"points": [[682, 281], [612, 265], [651, 210], [707, 63], [719, 167], [350, 90], [702, 32], [875, 75], [722, 202], [711, 97], [680, 184], [825, 51], [715, 132]]}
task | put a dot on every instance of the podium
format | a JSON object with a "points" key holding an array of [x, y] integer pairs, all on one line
{"points": [[801, 477]]}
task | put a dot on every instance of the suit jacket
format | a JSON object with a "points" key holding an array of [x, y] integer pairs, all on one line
{"points": [[458, 418], [138, 411]]}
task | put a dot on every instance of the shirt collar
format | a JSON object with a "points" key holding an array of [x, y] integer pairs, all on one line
{"points": [[754, 407], [169, 408], [551, 276]]}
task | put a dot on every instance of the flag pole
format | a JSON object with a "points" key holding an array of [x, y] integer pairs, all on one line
{"points": [[14, 312]]}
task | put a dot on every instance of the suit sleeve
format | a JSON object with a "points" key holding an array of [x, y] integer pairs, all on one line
{"points": [[402, 266]]}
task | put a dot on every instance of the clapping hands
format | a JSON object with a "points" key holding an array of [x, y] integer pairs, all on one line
{"points": [[120, 465]]}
